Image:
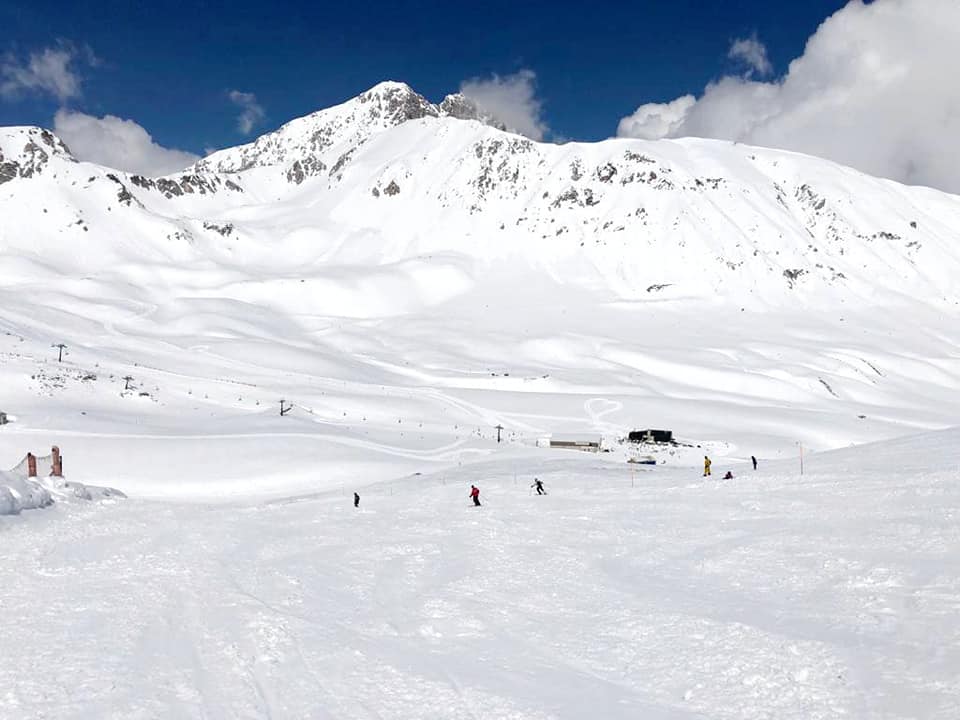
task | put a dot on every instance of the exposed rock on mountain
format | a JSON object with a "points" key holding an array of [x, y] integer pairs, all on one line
{"points": [[25, 151], [463, 108], [390, 175]]}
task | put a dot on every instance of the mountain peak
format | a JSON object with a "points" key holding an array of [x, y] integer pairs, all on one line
{"points": [[395, 102], [389, 86], [321, 141], [25, 151]]}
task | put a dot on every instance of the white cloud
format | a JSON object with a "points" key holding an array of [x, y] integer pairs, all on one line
{"points": [[251, 114], [47, 71], [511, 99], [873, 89], [753, 53], [118, 143], [656, 120]]}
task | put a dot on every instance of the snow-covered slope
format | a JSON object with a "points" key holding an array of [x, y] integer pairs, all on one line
{"points": [[415, 282], [436, 270], [831, 595]]}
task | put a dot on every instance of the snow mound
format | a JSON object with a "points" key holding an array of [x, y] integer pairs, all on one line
{"points": [[66, 490], [18, 494]]}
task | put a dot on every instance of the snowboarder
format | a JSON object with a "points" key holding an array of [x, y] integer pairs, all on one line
{"points": [[538, 484], [754, 461], [728, 476], [356, 500], [475, 494], [706, 466]]}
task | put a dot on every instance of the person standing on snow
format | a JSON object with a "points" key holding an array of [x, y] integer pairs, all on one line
{"points": [[538, 484], [475, 494], [356, 500], [706, 466], [754, 461]]}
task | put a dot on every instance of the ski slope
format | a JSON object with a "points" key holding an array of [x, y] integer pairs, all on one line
{"points": [[409, 280], [656, 595]]}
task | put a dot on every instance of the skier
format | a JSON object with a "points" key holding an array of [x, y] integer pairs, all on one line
{"points": [[728, 476], [475, 494], [706, 466], [356, 500], [754, 461], [538, 484]]}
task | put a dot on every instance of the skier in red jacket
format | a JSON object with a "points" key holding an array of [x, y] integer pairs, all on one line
{"points": [[475, 494]]}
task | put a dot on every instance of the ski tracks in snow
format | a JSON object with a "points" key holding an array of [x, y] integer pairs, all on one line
{"points": [[665, 600], [599, 408]]}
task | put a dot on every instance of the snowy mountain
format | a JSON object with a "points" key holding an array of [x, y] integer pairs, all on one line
{"points": [[412, 285], [631, 217], [326, 139], [391, 243]]}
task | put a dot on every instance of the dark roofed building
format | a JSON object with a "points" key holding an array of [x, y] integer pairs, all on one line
{"points": [[657, 436]]}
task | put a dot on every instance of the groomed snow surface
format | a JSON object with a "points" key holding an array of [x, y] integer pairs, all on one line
{"points": [[644, 593]]}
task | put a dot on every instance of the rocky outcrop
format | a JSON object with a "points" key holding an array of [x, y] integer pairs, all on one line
{"points": [[124, 196], [302, 169], [463, 108], [25, 152], [185, 184], [394, 103]]}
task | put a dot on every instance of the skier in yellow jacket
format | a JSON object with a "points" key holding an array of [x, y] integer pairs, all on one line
{"points": [[706, 466]]}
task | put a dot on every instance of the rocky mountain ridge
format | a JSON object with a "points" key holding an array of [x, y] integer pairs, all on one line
{"points": [[691, 280], [324, 140], [389, 176]]}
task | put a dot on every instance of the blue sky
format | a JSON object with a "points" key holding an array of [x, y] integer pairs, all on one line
{"points": [[149, 87], [169, 66]]}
